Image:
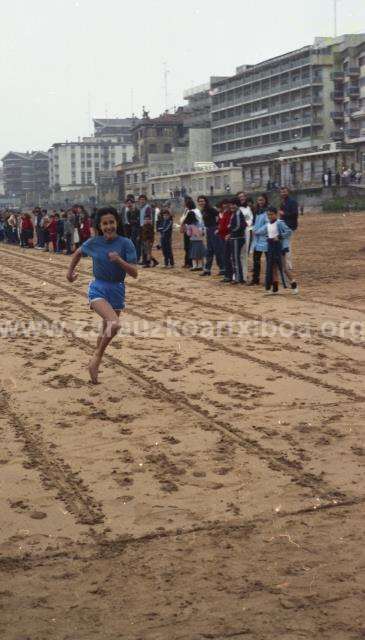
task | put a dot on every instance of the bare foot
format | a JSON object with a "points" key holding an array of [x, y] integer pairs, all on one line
{"points": [[94, 369]]}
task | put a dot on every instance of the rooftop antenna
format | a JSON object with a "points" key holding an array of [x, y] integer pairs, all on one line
{"points": [[335, 16], [165, 77]]}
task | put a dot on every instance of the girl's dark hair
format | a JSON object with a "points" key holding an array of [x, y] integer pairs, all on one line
{"points": [[266, 198], [235, 201], [191, 218], [189, 202], [103, 211], [166, 211]]}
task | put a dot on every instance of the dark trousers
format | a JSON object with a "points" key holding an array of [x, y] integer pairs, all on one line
{"points": [[187, 260], [273, 259], [136, 239], [68, 244], [213, 249], [257, 266], [237, 248], [166, 246], [40, 236], [59, 245], [228, 267]]}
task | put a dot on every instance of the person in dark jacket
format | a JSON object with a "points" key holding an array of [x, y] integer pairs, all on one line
{"points": [[166, 237], [210, 221], [237, 228], [290, 208]]}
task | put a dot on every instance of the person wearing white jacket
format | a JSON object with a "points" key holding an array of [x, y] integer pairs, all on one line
{"points": [[248, 215]]}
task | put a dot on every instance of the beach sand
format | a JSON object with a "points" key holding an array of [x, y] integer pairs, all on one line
{"points": [[211, 486]]}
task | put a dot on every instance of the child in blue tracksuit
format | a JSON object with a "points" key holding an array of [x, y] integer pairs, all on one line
{"points": [[285, 237], [278, 242], [259, 240], [236, 232], [166, 237], [113, 257], [259, 243]]}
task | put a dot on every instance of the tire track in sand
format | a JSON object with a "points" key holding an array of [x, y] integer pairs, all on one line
{"points": [[54, 472], [212, 344], [276, 461]]}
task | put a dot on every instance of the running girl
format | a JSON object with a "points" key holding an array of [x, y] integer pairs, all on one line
{"points": [[113, 257]]}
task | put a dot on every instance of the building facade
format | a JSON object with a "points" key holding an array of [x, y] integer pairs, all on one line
{"points": [[226, 181], [349, 95], [115, 129], [74, 164], [26, 175], [279, 105], [197, 111]]}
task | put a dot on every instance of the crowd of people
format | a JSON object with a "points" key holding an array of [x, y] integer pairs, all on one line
{"points": [[235, 235], [62, 231]]}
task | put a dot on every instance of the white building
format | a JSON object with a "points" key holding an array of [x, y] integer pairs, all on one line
{"points": [[225, 181], [73, 164]]}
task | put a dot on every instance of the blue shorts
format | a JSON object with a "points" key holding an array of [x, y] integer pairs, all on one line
{"points": [[112, 292]]}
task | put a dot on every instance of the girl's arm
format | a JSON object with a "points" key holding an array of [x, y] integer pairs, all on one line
{"points": [[71, 275], [128, 267]]}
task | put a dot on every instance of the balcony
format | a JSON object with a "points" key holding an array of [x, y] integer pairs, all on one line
{"points": [[337, 76], [353, 91], [352, 133], [337, 136], [337, 96], [354, 72], [337, 115]]}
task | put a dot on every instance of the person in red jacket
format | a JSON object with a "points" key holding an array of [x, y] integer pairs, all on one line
{"points": [[222, 232], [26, 231], [52, 230], [85, 227]]}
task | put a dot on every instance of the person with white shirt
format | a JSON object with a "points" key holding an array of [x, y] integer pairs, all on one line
{"points": [[248, 216], [189, 206], [273, 263]]}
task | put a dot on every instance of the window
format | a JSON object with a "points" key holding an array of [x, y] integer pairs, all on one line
{"points": [[152, 148], [124, 157], [167, 148], [128, 178], [135, 177]]}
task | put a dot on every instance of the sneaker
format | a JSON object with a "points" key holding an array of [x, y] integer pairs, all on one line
{"points": [[234, 282], [225, 280], [294, 288], [221, 273], [205, 273], [146, 266], [275, 287], [253, 283]]}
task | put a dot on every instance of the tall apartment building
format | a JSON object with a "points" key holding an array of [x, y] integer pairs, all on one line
{"points": [[197, 111], [26, 175], [278, 105], [349, 94], [74, 164]]}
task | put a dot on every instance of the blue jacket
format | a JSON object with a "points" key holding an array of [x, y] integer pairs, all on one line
{"points": [[260, 232], [166, 229], [284, 234], [237, 225]]}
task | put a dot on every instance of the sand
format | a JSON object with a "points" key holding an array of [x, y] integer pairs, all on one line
{"points": [[209, 486]]}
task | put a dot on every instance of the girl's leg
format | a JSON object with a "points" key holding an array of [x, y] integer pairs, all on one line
{"points": [[111, 327]]}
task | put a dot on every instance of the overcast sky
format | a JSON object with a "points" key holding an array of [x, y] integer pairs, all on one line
{"points": [[63, 62]]}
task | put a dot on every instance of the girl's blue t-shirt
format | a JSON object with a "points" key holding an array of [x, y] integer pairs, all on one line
{"points": [[98, 249]]}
